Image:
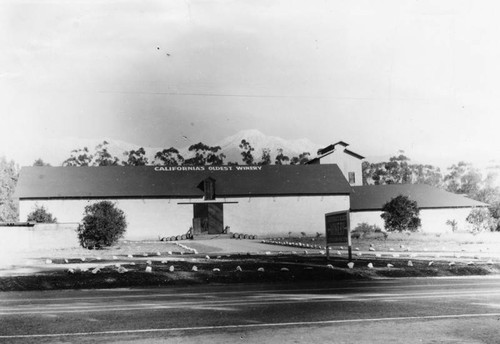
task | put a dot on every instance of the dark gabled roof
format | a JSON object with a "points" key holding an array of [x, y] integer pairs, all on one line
{"points": [[156, 182], [356, 155], [373, 197], [329, 149]]}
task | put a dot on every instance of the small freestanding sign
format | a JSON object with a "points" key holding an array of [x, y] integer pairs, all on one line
{"points": [[338, 230]]}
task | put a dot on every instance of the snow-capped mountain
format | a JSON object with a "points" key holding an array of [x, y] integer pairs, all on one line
{"points": [[55, 151], [259, 141]]}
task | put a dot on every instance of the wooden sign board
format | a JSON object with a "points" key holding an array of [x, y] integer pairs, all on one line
{"points": [[337, 228]]}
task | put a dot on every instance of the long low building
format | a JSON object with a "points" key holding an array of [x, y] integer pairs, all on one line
{"points": [[165, 201], [436, 206]]}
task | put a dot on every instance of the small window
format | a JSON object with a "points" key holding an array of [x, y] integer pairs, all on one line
{"points": [[352, 178]]}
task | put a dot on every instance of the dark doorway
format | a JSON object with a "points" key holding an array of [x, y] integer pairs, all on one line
{"points": [[208, 218]]}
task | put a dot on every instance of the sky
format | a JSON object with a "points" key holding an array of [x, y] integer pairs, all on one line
{"points": [[383, 75]]}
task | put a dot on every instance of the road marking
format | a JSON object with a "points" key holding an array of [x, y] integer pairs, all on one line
{"points": [[216, 293], [491, 305], [273, 299], [246, 326]]}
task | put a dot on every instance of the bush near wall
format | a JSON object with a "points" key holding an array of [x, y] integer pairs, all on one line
{"points": [[400, 214], [41, 215], [480, 220], [102, 225]]}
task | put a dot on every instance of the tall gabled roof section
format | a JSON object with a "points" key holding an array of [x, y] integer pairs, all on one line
{"points": [[179, 182], [331, 148]]}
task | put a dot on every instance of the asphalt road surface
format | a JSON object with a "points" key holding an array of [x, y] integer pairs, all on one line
{"points": [[451, 310]]}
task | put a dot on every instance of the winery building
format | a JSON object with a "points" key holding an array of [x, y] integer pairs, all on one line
{"points": [[166, 201]]}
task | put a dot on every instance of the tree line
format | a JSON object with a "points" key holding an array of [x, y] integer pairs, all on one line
{"points": [[460, 178], [199, 154]]}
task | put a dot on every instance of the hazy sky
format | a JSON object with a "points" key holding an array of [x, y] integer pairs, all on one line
{"points": [[423, 76]]}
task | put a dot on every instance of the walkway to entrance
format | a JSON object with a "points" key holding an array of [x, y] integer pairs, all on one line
{"points": [[226, 246]]}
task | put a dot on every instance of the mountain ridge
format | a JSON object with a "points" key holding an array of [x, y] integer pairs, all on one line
{"points": [[56, 151]]}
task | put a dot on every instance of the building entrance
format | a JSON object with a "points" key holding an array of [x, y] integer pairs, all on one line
{"points": [[208, 218]]}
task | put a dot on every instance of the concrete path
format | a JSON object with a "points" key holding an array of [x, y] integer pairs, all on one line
{"points": [[227, 246]]}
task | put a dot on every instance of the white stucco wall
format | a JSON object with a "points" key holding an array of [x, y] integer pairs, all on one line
{"points": [[19, 243], [433, 220], [347, 163], [151, 218], [146, 218], [280, 215], [40, 236], [370, 217]]}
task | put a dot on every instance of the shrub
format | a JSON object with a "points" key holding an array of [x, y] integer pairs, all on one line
{"points": [[363, 229], [480, 220], [401, 214], [453, 224], [41, 215], [102, 225]]}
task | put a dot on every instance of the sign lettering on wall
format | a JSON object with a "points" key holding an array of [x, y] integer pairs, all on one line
{"points": [[337, 228], [208, 168]]}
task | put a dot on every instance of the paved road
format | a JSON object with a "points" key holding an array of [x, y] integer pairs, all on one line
{"points": [[465, 310]]}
